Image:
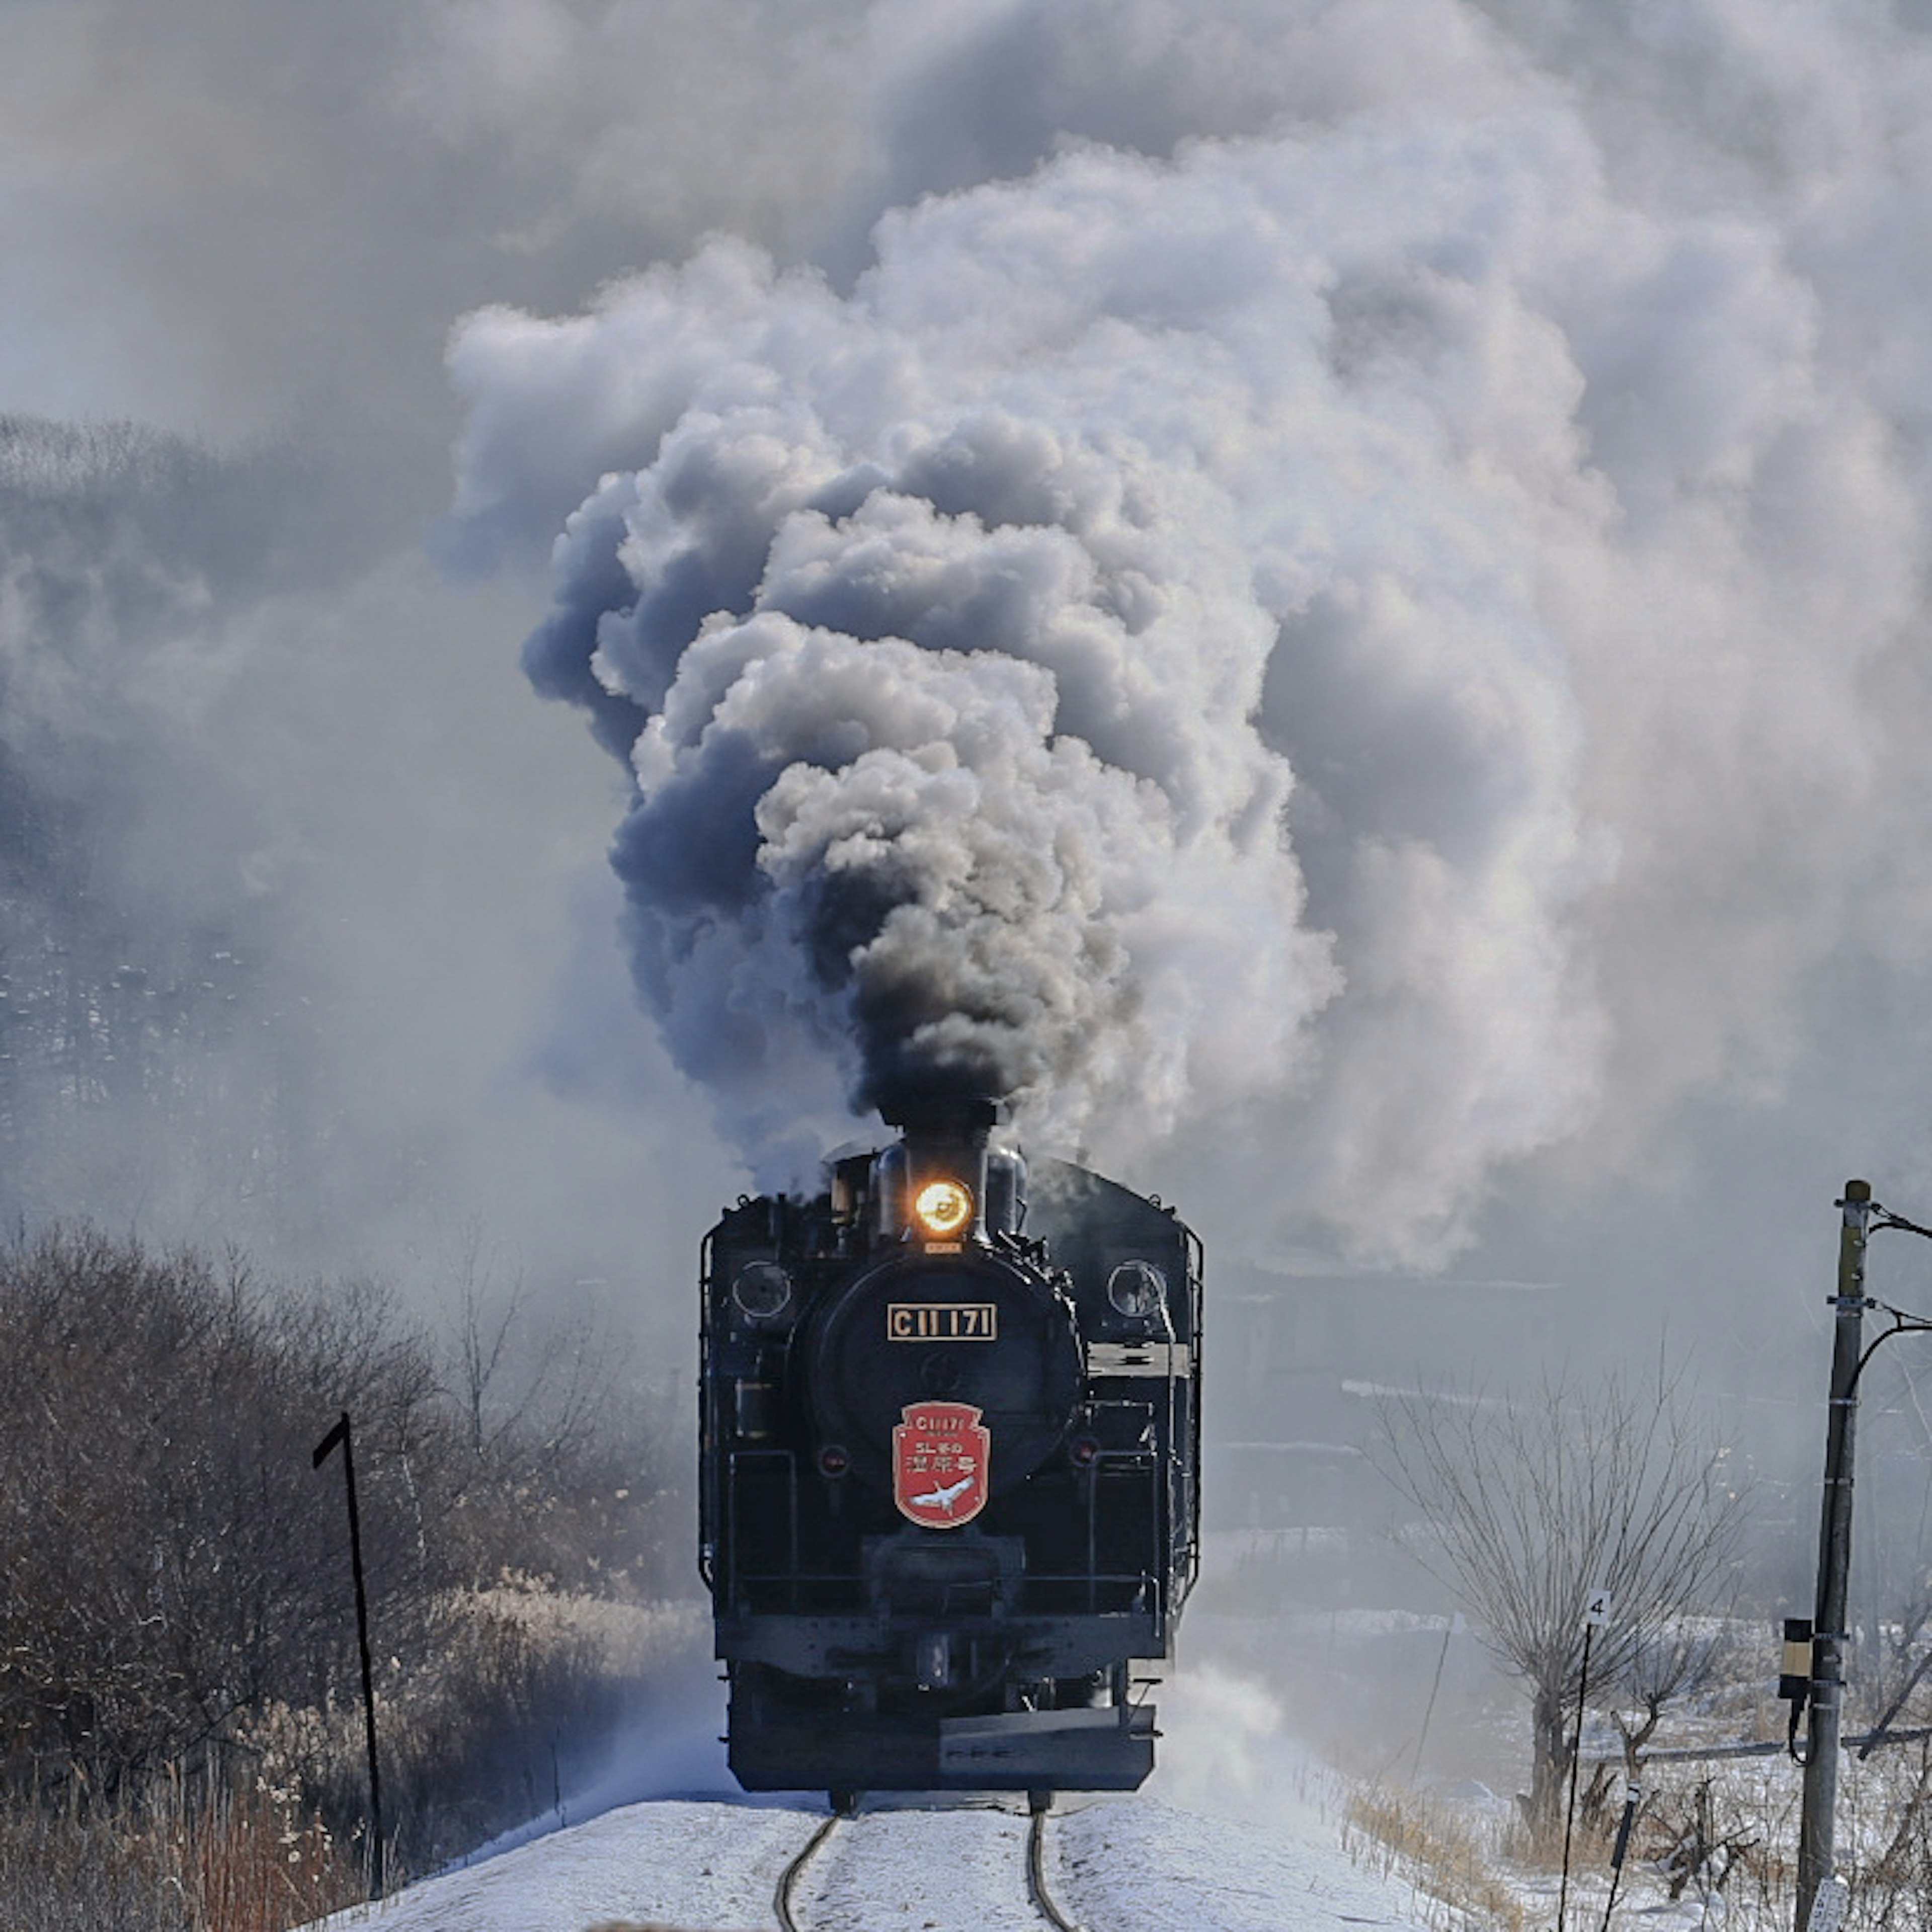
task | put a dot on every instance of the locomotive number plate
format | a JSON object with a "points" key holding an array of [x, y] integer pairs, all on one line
{"points": [[942, 1321]]}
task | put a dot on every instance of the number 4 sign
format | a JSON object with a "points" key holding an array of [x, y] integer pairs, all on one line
{"points": [[1597, 1609], [1828, 1905]]}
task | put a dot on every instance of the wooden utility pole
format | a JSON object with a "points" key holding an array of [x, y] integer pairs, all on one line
{"points": [[1817, 1816]]}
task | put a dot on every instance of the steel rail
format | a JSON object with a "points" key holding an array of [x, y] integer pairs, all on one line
{"points": [[1038, 1895], [788, 1879], [1042, 1899]]}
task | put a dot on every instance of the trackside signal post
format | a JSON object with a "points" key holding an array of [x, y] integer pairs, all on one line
{"points": [[341, 1437]]}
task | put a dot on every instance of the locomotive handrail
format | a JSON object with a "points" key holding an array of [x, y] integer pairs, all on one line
{"points": [[708, 1473], [1196, 1268], [736, 1578]]}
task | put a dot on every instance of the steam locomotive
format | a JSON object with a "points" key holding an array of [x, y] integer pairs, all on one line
{"points": [[950, 1447]]}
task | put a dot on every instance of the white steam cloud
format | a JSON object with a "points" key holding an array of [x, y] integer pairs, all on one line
{"points": [[937, 680], [996, 644]]}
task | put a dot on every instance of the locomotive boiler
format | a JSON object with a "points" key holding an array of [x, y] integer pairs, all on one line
{"points": [[950, 1426]]}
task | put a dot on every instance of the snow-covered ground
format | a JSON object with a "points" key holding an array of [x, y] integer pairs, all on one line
{"points": [[1123, 1865], [1237, 1833]]}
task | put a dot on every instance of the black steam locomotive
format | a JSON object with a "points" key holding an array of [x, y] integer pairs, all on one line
{"points": [[951, 1441]]}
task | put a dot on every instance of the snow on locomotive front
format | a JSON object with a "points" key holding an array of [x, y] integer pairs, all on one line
{"points": [[950, 1447]]}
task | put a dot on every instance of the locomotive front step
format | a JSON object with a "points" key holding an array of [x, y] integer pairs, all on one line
{"points": [[1105, 1749]]}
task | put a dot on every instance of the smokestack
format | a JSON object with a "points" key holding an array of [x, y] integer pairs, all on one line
{"points": [[935, 1109], [946, 1128]]}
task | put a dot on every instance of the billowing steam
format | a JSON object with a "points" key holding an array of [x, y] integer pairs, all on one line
{"points": [[959, 633], [1270, 604], [1426, 501], [939, 702]]}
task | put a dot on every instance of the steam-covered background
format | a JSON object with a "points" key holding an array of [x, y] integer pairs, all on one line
{"points": [[1334, 595]]}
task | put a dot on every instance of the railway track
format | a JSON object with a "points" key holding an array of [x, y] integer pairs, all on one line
{"points": [[1042, 1899], [782, 1900], [785, 1901]]}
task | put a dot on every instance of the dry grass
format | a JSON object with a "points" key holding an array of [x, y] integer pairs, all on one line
{"points": [[237, 1864], [464, 1747], [468, 1748], [1403, 1835], [253, 1866], [530, 1686], [1716, 1839]]}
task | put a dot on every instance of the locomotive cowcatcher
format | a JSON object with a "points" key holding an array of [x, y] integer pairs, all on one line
{"points": [[950, 1449]]}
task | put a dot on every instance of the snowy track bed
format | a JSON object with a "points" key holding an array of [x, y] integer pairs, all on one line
{"points": [[1113, 1865], [712, 1868], [1131, 1865], [916, 1870]]}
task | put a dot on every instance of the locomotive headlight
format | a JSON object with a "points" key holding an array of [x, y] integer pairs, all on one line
{"points": [[944, 1207], [1137, 1290], [762, 1290]]}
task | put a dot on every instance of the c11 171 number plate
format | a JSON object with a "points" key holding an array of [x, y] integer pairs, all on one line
{"points": [[942, 1321]]}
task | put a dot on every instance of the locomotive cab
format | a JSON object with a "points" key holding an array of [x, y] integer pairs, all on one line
{"points": [[950, 1435]]}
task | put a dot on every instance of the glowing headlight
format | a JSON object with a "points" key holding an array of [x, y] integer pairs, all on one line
{"points": [[762, 1290], [1138, 1289], [944, 1207]]}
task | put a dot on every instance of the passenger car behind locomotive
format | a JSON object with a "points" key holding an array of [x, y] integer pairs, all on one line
{"points": [[950, 1444]]}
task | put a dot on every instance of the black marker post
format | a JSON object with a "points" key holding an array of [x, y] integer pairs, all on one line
{"points": [[1596, 1614], [1633, 1797], [323, 1449]]}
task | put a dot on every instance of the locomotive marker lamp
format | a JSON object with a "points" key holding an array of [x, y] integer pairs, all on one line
{"points": [[944, 1208], [1137, 1290], [762, 1290]]}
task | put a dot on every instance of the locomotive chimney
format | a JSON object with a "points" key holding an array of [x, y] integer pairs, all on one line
{"points": [[944, 1130], [940, 1109]]}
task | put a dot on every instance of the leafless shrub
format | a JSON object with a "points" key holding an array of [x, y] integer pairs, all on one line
{"points": [[166, 1564], [1666, 1662], [173, 1572], [1701, 1840], [1893, 1892], [1528, 1503]]}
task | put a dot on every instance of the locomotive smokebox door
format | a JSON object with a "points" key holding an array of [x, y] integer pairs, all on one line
{"points": [[910, 1344]]}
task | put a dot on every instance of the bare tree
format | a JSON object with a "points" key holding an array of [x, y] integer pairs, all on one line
{"points": [[1528, 1503], [1668, 1661], [520, 1372]]}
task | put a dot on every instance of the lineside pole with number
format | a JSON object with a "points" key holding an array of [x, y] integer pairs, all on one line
{"points": [[340, 1434], [1596, 1613]]}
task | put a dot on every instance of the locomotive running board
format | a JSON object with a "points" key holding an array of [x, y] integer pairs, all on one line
{"points": [[1028, 1750]]}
